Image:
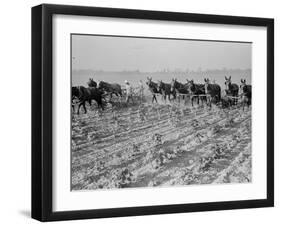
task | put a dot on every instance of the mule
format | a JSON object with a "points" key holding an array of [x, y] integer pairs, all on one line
{"points": [[246, 92], [194, 90], [111, 88], [232, 89], [213, 90], [153, 88], [165, 90], [179, 88], [92, 83], [84, 94]]}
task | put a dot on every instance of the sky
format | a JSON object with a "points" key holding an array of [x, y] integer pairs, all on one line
{"points": [[149, 55]]}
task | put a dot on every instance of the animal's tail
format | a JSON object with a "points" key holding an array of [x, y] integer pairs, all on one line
{"points": [[219, 96], [102, 102]]}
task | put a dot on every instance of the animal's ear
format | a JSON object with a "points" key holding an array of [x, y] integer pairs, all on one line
{"points": [[225, 77], [241, 80], [205, 80], [229, 77]]}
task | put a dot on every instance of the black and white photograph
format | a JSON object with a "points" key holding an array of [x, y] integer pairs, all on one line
{"points": [[149, 111], [159, 112]]}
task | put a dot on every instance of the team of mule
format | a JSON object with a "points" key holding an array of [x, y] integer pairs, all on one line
{"points": [[208, 92]]}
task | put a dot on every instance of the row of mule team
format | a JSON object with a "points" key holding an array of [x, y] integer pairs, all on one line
{"points": [[208, 92]]}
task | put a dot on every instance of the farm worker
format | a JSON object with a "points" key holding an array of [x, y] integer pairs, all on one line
{"points": [[129, 91]]}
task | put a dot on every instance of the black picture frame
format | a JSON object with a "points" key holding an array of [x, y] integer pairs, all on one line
{"points": [[42, 111]]}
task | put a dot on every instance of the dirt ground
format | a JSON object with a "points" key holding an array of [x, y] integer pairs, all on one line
{"points": [[164, 144]]}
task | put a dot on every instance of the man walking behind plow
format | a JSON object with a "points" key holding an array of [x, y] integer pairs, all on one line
{"points": [[129, 92]]}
